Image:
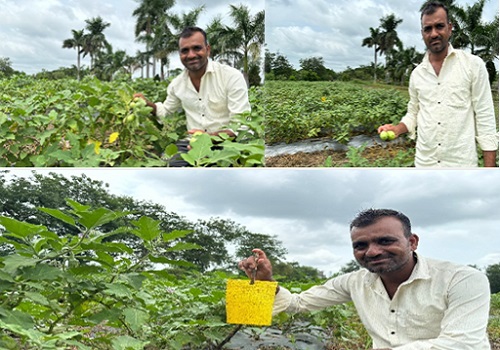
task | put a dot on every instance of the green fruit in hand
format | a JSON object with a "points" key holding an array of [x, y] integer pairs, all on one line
{"points": [[132, 104], [387, 135], [129, 118]]}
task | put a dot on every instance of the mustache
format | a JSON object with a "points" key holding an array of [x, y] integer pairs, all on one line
{"points": [[376, 258]]}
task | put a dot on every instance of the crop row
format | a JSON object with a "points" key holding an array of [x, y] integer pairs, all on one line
{"points": [[301, 110]]}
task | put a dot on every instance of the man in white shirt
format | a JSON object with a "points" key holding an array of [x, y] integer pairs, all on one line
{"points": [[405, 301], [450, 106], [209, 92]]}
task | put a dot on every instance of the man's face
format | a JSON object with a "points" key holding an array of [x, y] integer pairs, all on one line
{"points": [[436, 31], [194, 52], [382, 247]]}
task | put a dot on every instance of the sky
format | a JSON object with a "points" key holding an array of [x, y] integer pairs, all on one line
{"points": [[335, 29], [456, 213], [32, 31]]}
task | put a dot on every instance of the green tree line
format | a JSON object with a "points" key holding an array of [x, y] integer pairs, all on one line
{"points": [[222, 242]]}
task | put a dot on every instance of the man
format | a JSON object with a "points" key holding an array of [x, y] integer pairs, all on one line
{"points": [[209, 92], [450, 105], [405, 301]]}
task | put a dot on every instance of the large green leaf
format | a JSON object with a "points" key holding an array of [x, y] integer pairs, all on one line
{"points": [[59, 215], [135, 318], [126, 342], [176, 234], [146, 228], [14, 262], [20, 229]]}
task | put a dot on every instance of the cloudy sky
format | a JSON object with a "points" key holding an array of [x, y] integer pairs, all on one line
{"points": [[32, 31], [456, 213], [335, 29]]}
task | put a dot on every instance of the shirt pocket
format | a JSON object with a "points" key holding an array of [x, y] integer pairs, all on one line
{"points": [[459, 96], [217, 106], [426, 324]]}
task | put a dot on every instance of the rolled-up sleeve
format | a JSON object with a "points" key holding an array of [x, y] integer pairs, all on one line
{"points": [[482, 102]]}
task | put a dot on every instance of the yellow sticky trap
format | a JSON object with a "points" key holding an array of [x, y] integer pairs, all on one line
{"points": [[250, 304]]}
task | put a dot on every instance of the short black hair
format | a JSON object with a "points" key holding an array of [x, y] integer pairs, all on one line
{"points": [[431, 7], [370, 216], [188, 31]]}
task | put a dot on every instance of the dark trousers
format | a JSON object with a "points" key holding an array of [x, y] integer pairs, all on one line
{"points": [[176, 160]]}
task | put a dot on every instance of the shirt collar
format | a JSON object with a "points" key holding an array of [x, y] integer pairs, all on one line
{"points": [[451, 51]]}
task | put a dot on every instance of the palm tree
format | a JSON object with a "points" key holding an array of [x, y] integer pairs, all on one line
{"points": [[223, 43], [373, 41], [403, 61], [389, 36], [250, 32], [95, 41], [76, 42], [148, 15]]}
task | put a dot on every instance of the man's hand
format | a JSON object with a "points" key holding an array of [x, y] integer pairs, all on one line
{"points": [[260, 262], [490, 158], [398, 129], [148, 102]]}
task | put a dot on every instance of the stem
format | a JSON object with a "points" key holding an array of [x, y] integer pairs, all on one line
{"points": [[229, 336]]}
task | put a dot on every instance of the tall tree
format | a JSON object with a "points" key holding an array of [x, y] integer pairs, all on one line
{"points": [[76, 42], [95, 40], [149, 13], [373, 41], [388, 35]]}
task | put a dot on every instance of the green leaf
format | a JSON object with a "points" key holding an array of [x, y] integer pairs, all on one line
{"points": [[14, 262], [98, 217], [135, 318], [20, 229], [147, 228], [176, 234], [59, 215], [42, 272], [19, 318], [117, 289], [126, 342], [37, 298], [184, 246]]}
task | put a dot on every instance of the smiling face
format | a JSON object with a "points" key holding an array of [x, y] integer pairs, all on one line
{"points": [[383, 248], [194, 53], [436, 31]]}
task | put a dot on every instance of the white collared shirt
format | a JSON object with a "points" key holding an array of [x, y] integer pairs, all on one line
{"points": [[442, 306], [223, 94], [451, 112]]}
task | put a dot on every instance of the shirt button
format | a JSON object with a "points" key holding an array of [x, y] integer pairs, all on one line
{"points": [[393, 311], [439, 102], [393, 332]]}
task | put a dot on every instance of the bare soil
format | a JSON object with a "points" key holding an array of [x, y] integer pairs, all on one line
{"points": [[339, 159]]}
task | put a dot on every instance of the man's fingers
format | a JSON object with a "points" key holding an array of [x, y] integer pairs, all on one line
{"points": [[260, 254]]}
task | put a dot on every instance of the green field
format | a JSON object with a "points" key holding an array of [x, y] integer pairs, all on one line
{"points": [[92, 123]]}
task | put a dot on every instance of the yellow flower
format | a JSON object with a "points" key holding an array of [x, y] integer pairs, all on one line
{"points": [[97, 147], [323, 99], [113, 137]]}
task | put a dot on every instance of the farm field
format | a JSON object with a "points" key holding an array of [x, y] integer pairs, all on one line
{"points": [[46, 123], [338, 112]]}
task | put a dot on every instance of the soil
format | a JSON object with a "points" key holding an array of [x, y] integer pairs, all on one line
{"points": [[339, 159]]}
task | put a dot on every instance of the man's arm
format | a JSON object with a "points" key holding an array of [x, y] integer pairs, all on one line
{"points": [[482, 104], [464, 323]]}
